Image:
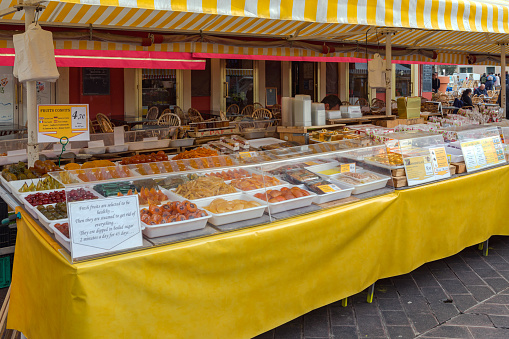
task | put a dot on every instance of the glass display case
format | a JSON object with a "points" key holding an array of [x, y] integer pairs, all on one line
{"points": [[189, 198]]}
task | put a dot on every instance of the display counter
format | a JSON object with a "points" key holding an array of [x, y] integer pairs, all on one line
{"points": [[246, 282]]}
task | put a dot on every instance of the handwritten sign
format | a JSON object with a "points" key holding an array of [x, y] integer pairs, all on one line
{"points": [[104, 225], [482, 153], [426, 168], [57, 121]]}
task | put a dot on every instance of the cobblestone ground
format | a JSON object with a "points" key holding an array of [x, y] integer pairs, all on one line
{"points": [[463, 296]]}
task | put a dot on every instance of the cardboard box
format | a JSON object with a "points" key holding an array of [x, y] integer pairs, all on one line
{"points": [[409, 107]]}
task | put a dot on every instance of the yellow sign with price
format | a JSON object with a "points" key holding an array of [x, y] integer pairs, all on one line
{"points": [[57, 121]]}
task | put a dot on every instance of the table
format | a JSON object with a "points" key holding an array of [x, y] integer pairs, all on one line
{"points": [[11, 129], [251, 280], [133, 121]]}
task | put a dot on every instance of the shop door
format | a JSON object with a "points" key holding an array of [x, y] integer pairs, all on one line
{"points": [[8, 102], [304, 78], [239, 83]]}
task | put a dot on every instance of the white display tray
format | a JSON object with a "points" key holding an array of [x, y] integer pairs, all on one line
{"points": [[140, 145], [13, 159], [345, 192], [181, 142], [378, 164], [218, 219], [175, 227], [62, 239], [363, 188], [16, 185], [45, 221], [94, 150], [257, 143], [282, 206], [5, 184], [117, 148], [32, 209], [323, 167]]}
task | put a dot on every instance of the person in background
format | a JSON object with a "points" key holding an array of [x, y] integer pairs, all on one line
{"points": [[483, 78], [497, 81], [465, 98], [332, 102], [489, 83], [435, 83], [481, 90], [499, 101]]}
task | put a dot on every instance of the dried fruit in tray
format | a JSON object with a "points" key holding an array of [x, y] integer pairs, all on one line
{"points": [[349, 181], [103, 173], [48, 183], [54, 212], [80, 194], [230, 174], [144, 158], [255, 181], [220, 205], [37, 199], [363, 177], [284, 194], [176, 180], [300, 176], [170, 212], [147, 196], [63, 228], [44, 167], [95, 164], [19, 171], [112, 189], [317, 187], [204, 187], [199, 152]]}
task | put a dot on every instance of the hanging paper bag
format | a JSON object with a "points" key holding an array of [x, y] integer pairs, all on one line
{"points": [[376, 72], [35, 55]]}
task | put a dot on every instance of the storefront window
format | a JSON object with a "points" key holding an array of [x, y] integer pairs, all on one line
{"points": [[159, 89], [403, 80], [358, 85], [331, 79], [273, 77], [239, 76]]}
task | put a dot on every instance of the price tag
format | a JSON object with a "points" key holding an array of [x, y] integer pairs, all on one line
{"points": [[104, 225], [57, 121], [348, 168], [248, 154], [79, 117], [329, 188], [311, 163]]}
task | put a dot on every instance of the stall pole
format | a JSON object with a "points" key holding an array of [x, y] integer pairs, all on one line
{"points": [[33, 146], [388, 73], [502, 77]]}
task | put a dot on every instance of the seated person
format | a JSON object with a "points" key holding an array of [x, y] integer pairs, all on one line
{"points": [[481, 90], [332, 102], [465, 98]]}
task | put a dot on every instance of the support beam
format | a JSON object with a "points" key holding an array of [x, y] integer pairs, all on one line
{"points": [[33, 146], [503, 78], [388, 73]]}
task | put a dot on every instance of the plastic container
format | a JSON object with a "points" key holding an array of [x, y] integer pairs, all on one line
{"points": [[62, 239], [282, 206], [176, 197], [8, 236], [363, 188], [6, 262], [218, 219], [94, 150], [33, 209], [140, 145], [175, 227], [181, 142], [320, 168], [456, 155], [117, 148]]}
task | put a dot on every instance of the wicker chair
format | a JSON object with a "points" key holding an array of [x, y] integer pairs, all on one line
{"points": [[262, 114], [183, 116], [364, 104], [345, 103], [257, 106], [377, 106], [94, 126], [105, 125], [169, 119], [152, 114], [248, 110], [195, 115]]}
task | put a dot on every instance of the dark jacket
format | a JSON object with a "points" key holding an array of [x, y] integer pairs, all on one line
{"points": [[477, 91], [435, 84], [467, 101], [489, 85]]}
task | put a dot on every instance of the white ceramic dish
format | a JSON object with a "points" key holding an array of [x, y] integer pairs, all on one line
{"points": [[282, 206], [117, 148], [363, 188], [62, 239], [140, 145], [175, 227], [218, 219]]}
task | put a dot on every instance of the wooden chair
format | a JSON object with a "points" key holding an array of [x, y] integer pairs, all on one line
{"points": [[195, 115], [233, 109], [105, 125], [262, 114], [248, 110], [152, 114], [364, 104], [94, 126], [184, 117], [377, 106], [257, 106], [169, 119]]}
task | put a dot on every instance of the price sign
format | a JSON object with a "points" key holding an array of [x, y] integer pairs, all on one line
{"points": [[104, 225], [248, 154], [348, 168], [57, 121], [311, 163], [483, 153], [426, 168], [329, 188]]}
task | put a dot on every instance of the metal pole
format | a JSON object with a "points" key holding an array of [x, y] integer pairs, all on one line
{"points": [[33, 146], [502, 78], [388, 73]]}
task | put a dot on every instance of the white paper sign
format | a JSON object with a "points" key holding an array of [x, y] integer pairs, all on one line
{"points": [[6, 98], [104, 225], [118, 135]]}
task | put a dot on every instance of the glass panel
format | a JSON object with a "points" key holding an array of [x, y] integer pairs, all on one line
{"points": [[239, 76], [332, 78], [403, 80], [159, 89], [358, 88]]}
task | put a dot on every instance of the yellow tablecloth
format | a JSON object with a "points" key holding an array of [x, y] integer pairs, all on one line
{"points": [[240, 284]]}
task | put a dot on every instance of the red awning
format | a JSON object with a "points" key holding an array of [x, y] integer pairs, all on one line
{"points": [[116, 59]]}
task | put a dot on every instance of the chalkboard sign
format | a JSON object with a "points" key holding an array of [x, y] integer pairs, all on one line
{"points": [[96, 81], [270, 96], [427, 73]]}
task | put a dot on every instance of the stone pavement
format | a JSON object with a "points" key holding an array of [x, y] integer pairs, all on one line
{"points": [[463, 296]]}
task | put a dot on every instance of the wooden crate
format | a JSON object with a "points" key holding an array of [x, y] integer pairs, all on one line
{"points": [[460, 167], [399, 172], [452, 168], [398, 182]]}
